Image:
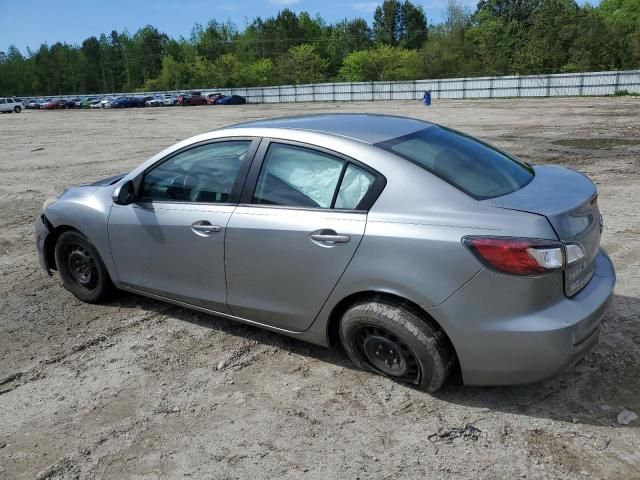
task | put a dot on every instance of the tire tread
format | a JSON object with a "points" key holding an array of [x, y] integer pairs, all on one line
{"points": [[403, 316]]}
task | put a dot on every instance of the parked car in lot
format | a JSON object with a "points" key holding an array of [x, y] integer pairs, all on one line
{"points": [[222, 99], [42, 101], [97, 103], [10, 105], [127, 102], [85, 102], [212, 97], [53, 104], [157, 101], [61, 103], [231, 100], [417, 247], [73, 102], [191, 99], [33, 104], [170, 100], [120, 102]]}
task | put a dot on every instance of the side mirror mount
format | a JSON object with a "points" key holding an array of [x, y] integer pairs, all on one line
{"points": [[124, 194]]}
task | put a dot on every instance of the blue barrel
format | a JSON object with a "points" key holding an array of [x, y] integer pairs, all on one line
{"points": [[426, 99]]}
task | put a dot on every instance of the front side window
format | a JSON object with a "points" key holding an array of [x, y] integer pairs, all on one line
{"points": [[297, 177], [466, 163], [205, 173], [9, 100]]}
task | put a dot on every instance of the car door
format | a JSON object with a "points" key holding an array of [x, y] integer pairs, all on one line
{"points": [[302, 216], [3, 105], [170, 241]]}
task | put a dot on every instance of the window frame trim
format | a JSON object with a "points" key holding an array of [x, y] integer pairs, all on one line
{"points": [[238, 184], [251, 183]]}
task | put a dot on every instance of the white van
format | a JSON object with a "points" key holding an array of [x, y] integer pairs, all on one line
{"points": [[10, 105]]}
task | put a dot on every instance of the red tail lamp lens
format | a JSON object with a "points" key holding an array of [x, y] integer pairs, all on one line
{"points": [[517, 256]]}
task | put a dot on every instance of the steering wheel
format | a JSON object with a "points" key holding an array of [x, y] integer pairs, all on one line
{"points": [[200, 177], [190, 181]]}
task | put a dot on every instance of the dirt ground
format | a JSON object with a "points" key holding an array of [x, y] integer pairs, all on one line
{"points": [[131, 389]]}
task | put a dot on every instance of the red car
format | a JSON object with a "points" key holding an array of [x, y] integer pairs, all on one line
{"points": [[191, 99], [50, 105], [56, 104]]}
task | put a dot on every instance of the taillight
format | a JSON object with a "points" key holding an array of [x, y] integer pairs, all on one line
{"points": [[575, 253], [517, 256]]}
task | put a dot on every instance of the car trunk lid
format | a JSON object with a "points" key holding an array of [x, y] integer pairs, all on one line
{"points": [[568, 199]]}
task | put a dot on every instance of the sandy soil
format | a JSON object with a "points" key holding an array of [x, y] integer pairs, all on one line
{"points": [[131, 389]]}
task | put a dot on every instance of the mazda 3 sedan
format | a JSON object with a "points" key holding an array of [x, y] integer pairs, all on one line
{"points": [[415, 247]]}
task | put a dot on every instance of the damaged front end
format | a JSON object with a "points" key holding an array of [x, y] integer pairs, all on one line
{"points": [[44, 231]]}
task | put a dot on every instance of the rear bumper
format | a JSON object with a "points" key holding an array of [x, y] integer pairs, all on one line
{"points": [[524, 347], [42, 233]]}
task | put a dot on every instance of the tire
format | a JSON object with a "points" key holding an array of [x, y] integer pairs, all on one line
{"points": [[17, 109], [81, 269], [390, 339]]}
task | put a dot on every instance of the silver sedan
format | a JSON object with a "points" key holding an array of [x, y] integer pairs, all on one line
{"points": [[415, 247]]}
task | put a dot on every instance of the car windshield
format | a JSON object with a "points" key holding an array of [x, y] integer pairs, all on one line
{"points": [[468, 164]]}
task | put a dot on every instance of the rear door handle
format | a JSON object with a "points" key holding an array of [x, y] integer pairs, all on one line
{"points": [[328, 237], [204, 228]]}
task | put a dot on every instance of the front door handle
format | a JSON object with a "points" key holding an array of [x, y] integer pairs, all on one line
{"points": [[329, 237], [204, 228]]}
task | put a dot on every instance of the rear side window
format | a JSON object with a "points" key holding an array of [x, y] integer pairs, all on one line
{"points": [[296, 176], [354, 186], [466, 163]]}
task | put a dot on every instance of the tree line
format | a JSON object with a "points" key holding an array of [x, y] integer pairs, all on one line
{"points": [[501, 37]]}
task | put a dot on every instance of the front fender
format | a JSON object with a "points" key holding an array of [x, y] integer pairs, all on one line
{"points": [[87, 210]]}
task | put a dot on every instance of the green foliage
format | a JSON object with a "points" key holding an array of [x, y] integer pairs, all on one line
{"points": [[499, 37], [302, 64], [381, 63], [626, 93], [622, 18], [400, 23]]}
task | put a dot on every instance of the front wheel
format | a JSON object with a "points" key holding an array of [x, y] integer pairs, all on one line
{"points": [[391, 339], [81, 268], [17, 109]]}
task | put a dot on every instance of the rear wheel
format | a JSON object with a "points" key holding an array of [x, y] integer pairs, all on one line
{"points": [[391, 339], [81, 268]]}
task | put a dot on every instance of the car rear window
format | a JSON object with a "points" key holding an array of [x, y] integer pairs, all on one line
{"points": [[468, 164]]}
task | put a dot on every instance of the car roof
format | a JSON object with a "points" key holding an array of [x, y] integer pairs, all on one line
{"points": [[365, 127]]}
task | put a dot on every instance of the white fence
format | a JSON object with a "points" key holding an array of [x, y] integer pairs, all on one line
{"points": [[556, 85], [571, 84]]}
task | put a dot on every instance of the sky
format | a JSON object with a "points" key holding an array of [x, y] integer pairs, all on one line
{"points": [[29, 23]]}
